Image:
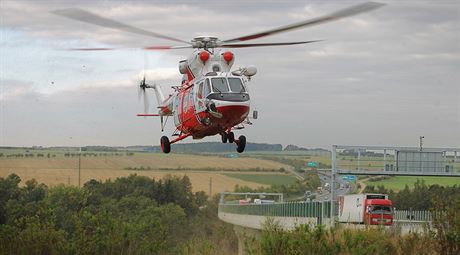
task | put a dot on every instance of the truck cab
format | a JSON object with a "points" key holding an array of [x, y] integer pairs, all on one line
{"points": [[378, 212]]}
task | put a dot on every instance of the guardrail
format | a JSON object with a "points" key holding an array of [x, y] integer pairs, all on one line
{"points": [[409, 215], [310, 209], [287, 209]]}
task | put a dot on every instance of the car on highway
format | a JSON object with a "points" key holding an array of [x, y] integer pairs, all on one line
{"points": [[319, 190]]}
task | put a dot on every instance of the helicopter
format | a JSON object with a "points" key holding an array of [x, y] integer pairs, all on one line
{"points": [[212, 99]]}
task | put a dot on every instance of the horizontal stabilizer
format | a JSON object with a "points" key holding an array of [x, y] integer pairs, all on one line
{"points": [[147, 115]]}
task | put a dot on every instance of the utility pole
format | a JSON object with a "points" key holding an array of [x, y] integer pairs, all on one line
{"points": [[79, 167], [421, 142], [210, 186]]}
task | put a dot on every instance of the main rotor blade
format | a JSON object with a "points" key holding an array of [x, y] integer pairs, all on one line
{"points": [[88, 17], [144, 48], [360, 8], [245, 45], [167, 47], [93, 49]]}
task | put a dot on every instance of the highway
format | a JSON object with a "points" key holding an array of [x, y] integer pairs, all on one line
{"points": [[342, 187]]}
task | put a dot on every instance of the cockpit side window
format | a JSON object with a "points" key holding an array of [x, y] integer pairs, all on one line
{"points": [[200, 90], [219, 85], [236, 85], [207, 88]]}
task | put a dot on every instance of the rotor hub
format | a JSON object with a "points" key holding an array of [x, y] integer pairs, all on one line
{"points": [[205, 42]]}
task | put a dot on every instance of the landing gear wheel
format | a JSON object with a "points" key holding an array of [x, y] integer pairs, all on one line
{"points": [[224, 137], [165, 144], [231, 137], [241, 144]]}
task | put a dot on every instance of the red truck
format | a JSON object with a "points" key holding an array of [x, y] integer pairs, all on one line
{"points": [[372, 209]]}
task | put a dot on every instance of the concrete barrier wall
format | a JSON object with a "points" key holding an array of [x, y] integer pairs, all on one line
{"points": [[257, 222]]}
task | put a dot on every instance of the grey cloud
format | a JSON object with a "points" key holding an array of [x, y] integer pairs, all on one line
{"points": [[379, 78]]}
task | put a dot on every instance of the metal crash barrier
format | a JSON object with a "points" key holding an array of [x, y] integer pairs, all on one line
{"points": [[286, 209]]}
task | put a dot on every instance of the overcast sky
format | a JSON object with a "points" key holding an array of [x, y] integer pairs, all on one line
{"points": [[379, 78]]}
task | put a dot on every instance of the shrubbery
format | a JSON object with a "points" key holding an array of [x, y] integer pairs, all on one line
{"points": [[306, 240], [132, 215], [420, 197]]}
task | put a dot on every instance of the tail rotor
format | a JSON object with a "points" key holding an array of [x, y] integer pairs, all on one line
{"points": [[143, 94]]}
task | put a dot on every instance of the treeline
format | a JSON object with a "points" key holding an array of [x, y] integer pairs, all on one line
{"points": [[420, 197], [67, 154], [205, 147], [212, 147], [292, 147], [210, 169], [94, 154], [28, 155], [131, 215]]}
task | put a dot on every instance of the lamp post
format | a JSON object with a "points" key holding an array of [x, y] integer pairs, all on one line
{"points": [[421, 142]]}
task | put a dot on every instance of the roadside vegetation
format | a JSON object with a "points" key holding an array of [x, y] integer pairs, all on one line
{"points": [[139, 215], [418, 197], [131, 215], [444, 238]]}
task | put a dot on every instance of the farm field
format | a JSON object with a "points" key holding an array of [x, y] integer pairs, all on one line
{"points": [[399, 182], [142, 161], [200, 180], [267, 179], [200, 169]]}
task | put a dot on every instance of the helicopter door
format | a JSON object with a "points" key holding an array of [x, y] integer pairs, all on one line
{"points": [[177, 109], [200, 97]]}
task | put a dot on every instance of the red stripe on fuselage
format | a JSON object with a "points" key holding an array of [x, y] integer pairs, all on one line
{"points": [[232, 115], [189, 73]]}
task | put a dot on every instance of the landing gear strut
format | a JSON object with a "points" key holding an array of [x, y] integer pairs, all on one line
{"points": [[241, 144], [166, 144]]}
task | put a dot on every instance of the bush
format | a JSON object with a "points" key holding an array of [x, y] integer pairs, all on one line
{"points": [[318, 240], [131, 215]]}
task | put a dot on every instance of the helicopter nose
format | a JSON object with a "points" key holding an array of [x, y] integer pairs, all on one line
{"points": [[234, 112]]}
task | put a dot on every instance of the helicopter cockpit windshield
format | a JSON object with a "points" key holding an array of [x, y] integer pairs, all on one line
{"points": [[222, 88], [227, 85], [236, 85], [219, 85]]}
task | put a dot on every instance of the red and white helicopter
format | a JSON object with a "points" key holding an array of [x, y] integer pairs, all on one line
{"points": [[212, 98]]}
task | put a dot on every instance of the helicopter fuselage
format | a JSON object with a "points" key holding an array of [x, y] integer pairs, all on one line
{"points": [[210, 105]]}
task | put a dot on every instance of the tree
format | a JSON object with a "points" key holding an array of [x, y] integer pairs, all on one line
{"points": [[8, 190]]}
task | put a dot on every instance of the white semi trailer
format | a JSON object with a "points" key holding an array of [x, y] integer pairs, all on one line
{"points": [[372, 209]]}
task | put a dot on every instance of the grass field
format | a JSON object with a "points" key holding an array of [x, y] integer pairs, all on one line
{"points": [[399, 182], [153, 161], [267, 179]]}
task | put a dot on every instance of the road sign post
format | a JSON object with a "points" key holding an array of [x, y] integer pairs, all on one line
{"points": [[333, 174]]}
